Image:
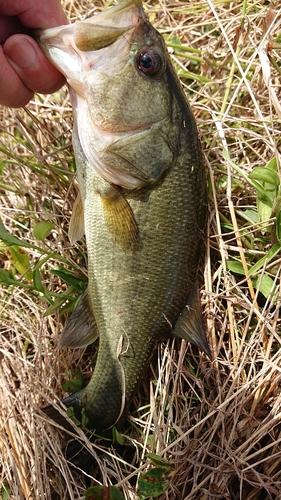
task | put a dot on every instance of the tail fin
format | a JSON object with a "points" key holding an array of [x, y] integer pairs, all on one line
{"points": [[57, 412], [77, 453]]}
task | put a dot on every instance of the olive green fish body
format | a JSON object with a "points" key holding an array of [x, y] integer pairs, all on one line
{"points": [[138, 294], [142, 182]]}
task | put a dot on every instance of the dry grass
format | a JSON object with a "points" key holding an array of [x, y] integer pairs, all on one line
{"points": [[218, 424]]}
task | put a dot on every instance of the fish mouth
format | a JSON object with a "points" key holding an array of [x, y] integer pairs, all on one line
{"points": [[108, 26], [98, 57], [95, 33], [76, 48]]}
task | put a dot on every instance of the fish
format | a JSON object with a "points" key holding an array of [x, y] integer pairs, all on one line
{"points": [[142, 203]]}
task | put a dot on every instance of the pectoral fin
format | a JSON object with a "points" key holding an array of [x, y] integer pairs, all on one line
{"points": [[76, 225], [81, 328], [190, 326], [118, 216]]}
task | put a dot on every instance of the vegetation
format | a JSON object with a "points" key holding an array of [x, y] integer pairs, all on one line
{"points": [[198, 429]]}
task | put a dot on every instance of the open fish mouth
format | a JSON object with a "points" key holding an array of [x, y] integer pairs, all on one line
{"points": [[86, 38], [110, 61]]}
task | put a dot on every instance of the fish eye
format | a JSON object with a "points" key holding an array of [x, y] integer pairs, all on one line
{"points": [[149, 62]]}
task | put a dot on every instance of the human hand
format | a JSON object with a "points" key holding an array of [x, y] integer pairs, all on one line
{"points": [[24, 69]]}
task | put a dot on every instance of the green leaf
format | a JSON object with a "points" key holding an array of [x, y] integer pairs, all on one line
{"points": [[265, 174], [75, 384], [7, 279], [9, 239], [117, 437], [5, 491], [266, 286], [153, 483], [77, 283], [103, 493], [176, 40], [249, 215], [20, 260], [54, 305], [274, 250], [37, 281], [235, 267], [278, 226], [71, 413], [272, 164], [264, 209], [158, 461], [42, 229], [84, 418], [262, 192]]}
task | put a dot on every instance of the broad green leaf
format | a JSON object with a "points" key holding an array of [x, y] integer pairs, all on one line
{"points": [[42, 229], [235, 267], [266, 286], [249, 215], [84, 418], [263, 193], [272, 164], [264, 210], [20, 260], [176, 40], [103, 493], [153, 483], [5, 491], [75, 384], [265, 174], [71, 413]]}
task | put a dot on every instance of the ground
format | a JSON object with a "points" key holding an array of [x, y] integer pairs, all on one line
{"points": [[211, 427]]}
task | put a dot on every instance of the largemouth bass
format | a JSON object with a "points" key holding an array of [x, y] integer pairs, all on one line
{"points": [[142, 201]]}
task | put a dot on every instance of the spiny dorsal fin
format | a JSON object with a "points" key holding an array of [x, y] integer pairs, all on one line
{"points": [[81, 328], [189, 326], [76, 225]]}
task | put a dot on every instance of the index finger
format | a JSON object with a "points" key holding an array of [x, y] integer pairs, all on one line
{"points": [[39, 14]]}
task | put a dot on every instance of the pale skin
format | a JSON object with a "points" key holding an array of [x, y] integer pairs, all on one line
{"points": [[23, 67]]}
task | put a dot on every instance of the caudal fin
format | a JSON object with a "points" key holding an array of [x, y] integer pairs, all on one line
{"points": [[57, 411]]}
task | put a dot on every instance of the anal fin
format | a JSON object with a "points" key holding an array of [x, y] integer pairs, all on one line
{"points": [[81, 328], [189, 325]]}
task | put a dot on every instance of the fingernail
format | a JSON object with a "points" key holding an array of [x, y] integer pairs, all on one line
{"points": [[20, 52]]}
